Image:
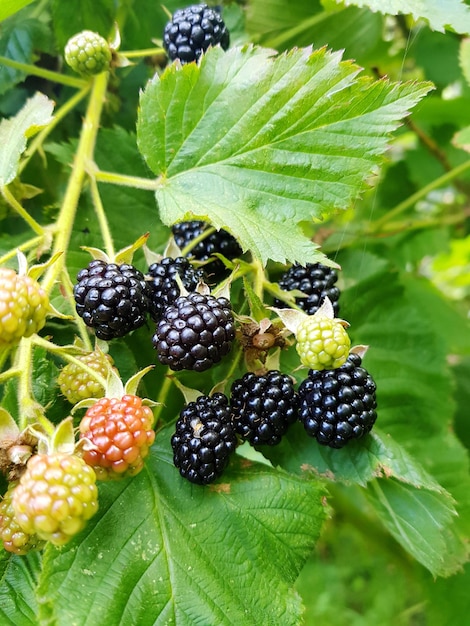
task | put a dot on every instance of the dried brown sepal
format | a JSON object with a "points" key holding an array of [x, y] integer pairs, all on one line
{"points": [[14, 454], [257, 339]]}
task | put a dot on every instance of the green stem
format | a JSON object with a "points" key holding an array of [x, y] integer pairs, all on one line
{"points": [[82, 328], [4, 353], [83, 156], [147, 52], [33, 70], [148, 184], [193, 243], [259, 278], [24, 246], [29, 409], [13, 202], [422, 193], [162, 395], [101, 215], [37, 142], [10, 373], [59, 350]]}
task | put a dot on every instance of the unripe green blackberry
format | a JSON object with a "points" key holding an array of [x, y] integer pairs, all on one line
{"points": [[14, 538], [88, 53], [55, 497], [322, 342], [23, 306], [338, 405], [77, 384]]}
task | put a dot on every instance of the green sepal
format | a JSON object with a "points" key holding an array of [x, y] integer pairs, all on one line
{"points": [[189, 394], [35, 271], [8, 427], [133, 382]]}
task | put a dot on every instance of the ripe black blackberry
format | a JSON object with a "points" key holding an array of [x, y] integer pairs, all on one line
{"points": [[219, 241], [163, 288], [263, 407], [338, 405], [192, 30], [317, 281], [204, 439], [194, 332], [112, 299]]}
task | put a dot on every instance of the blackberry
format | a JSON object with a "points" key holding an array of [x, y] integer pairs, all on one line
{"points": [[163, 288], [194, 332], [112, 299], [338, 405], [263, 407], [315, 280], [219, 241], [192, 30], [204, 439]]}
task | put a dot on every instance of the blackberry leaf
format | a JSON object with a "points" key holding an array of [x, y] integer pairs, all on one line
{"points": [[238, 128]]}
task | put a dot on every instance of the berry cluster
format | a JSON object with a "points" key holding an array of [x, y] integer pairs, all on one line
{"points": [[194, 329]]}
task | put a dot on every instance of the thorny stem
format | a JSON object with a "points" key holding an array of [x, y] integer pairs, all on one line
{"points": [[23, 247], [83, 156], [30, 411], [148, 184], [13, 202], [34, 70], [101, 215]]}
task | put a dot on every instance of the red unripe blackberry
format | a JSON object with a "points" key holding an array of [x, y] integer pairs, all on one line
{"points": [[23, 306], [263, 407], [204, 439], [195, 332], [121, 433], [163, 288], [315, 280], [55, 497], [338, 405], [219, 241], [14, 538], [192, 30], [112, 299]]}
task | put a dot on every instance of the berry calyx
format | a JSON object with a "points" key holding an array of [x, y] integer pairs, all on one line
{"points": [[14, 538], [263, 407], [55, 497], [163, 287], [195, 332], [77, 384], [119, 432], [192, 30], [204, 439], [111, 298], [316, 281], [88, 53], [23, 306], [338, 405], [322, 343]]}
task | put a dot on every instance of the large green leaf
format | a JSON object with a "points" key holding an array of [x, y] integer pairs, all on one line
{"points": [[259, 143], [73, 16], [162, 550], [18, 579], [9, 7], [439, 13]]}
